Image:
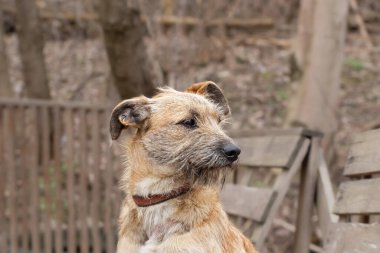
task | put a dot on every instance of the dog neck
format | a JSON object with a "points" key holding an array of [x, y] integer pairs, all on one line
{"points": [[154, 199]]}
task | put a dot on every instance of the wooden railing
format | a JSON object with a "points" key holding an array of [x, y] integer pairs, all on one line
{"points": [[167, 19], [58, 178]]}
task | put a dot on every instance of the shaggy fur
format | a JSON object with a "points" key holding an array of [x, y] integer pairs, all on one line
{"points": [[177, 142]]}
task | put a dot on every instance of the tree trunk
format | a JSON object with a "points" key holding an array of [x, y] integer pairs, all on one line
{"points": [[304, 32], [134, 71], [322, 55], [5, 84], [31, 50]]}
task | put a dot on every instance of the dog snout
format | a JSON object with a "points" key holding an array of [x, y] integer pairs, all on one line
{"points": [[231, 151]]}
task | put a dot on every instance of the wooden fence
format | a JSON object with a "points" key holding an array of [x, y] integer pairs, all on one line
{"points": [[58, 178]]}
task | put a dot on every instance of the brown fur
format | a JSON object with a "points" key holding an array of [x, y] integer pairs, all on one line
{"points": [[165, 152]]}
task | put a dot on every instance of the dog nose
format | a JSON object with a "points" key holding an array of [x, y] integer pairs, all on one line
{"points": [[231, 151]]}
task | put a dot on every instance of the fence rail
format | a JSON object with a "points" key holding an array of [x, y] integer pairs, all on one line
{"points": [[58, 178], [167, 19]]}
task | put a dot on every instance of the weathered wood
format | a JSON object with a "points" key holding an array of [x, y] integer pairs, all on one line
{"points": [[370, 135], [70, 180], [364, 155], [5, 84], [268, 151], [353, 237], [45, 130], [95, 143], [3, 223], [23, 175], [57, 130], [31, 50], [48, 203], [325, 197], [109, 230], [359, 197], [249, 202], [281, 187], [307, 189], [83, 134], [8, 133], [34, 207]]}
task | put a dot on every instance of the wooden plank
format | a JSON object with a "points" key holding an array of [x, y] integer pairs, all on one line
{"points": [[249, 202], [359, 197], [9, 149], [325, 197], [23, 174], [364, 155], [83, 181], [95, 138], [3, 206], [109, 231], [268, 151], [34, 207], [57, 131], [281, 187], [45, 127], [70, 180], [370, 135], [308, 181], [353, 237], [242, 176]]}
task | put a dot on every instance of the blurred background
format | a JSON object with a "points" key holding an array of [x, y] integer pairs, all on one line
{"points": [[280, 63]]}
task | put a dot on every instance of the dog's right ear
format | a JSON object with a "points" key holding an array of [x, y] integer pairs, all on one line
{"points": [[129, 113]]}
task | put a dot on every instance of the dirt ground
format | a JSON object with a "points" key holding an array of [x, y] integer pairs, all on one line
{"points": [[254, 76]]}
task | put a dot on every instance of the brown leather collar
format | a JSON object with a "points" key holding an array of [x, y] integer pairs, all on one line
{"points": [[159, 198]]}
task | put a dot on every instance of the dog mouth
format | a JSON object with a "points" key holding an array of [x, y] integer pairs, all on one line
{"points": [[212, 173], [224, 164]]}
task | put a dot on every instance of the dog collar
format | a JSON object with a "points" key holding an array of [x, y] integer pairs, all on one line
{"points": [[154, 199]]}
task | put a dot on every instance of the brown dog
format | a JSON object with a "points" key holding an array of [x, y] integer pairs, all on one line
{"points": [[176, 160]]}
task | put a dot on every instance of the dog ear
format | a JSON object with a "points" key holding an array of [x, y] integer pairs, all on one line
{"points": [[129, 113], [212, 92]]}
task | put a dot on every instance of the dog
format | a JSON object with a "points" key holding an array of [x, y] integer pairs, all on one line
{"points": [[176, 159]]}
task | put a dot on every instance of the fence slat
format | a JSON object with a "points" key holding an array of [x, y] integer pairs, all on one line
{"points": [[108, 202], [57, 129], [83, 181], [95, 183], [3, 225], [45, 126], [34, 207], [23, 174], [70, 180], [8, 130]]}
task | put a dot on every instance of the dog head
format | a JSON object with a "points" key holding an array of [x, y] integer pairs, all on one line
{"points": [[181, 130]]}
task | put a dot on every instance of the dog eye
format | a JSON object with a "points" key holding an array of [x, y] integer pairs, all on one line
{"points": [[189, 123]]}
